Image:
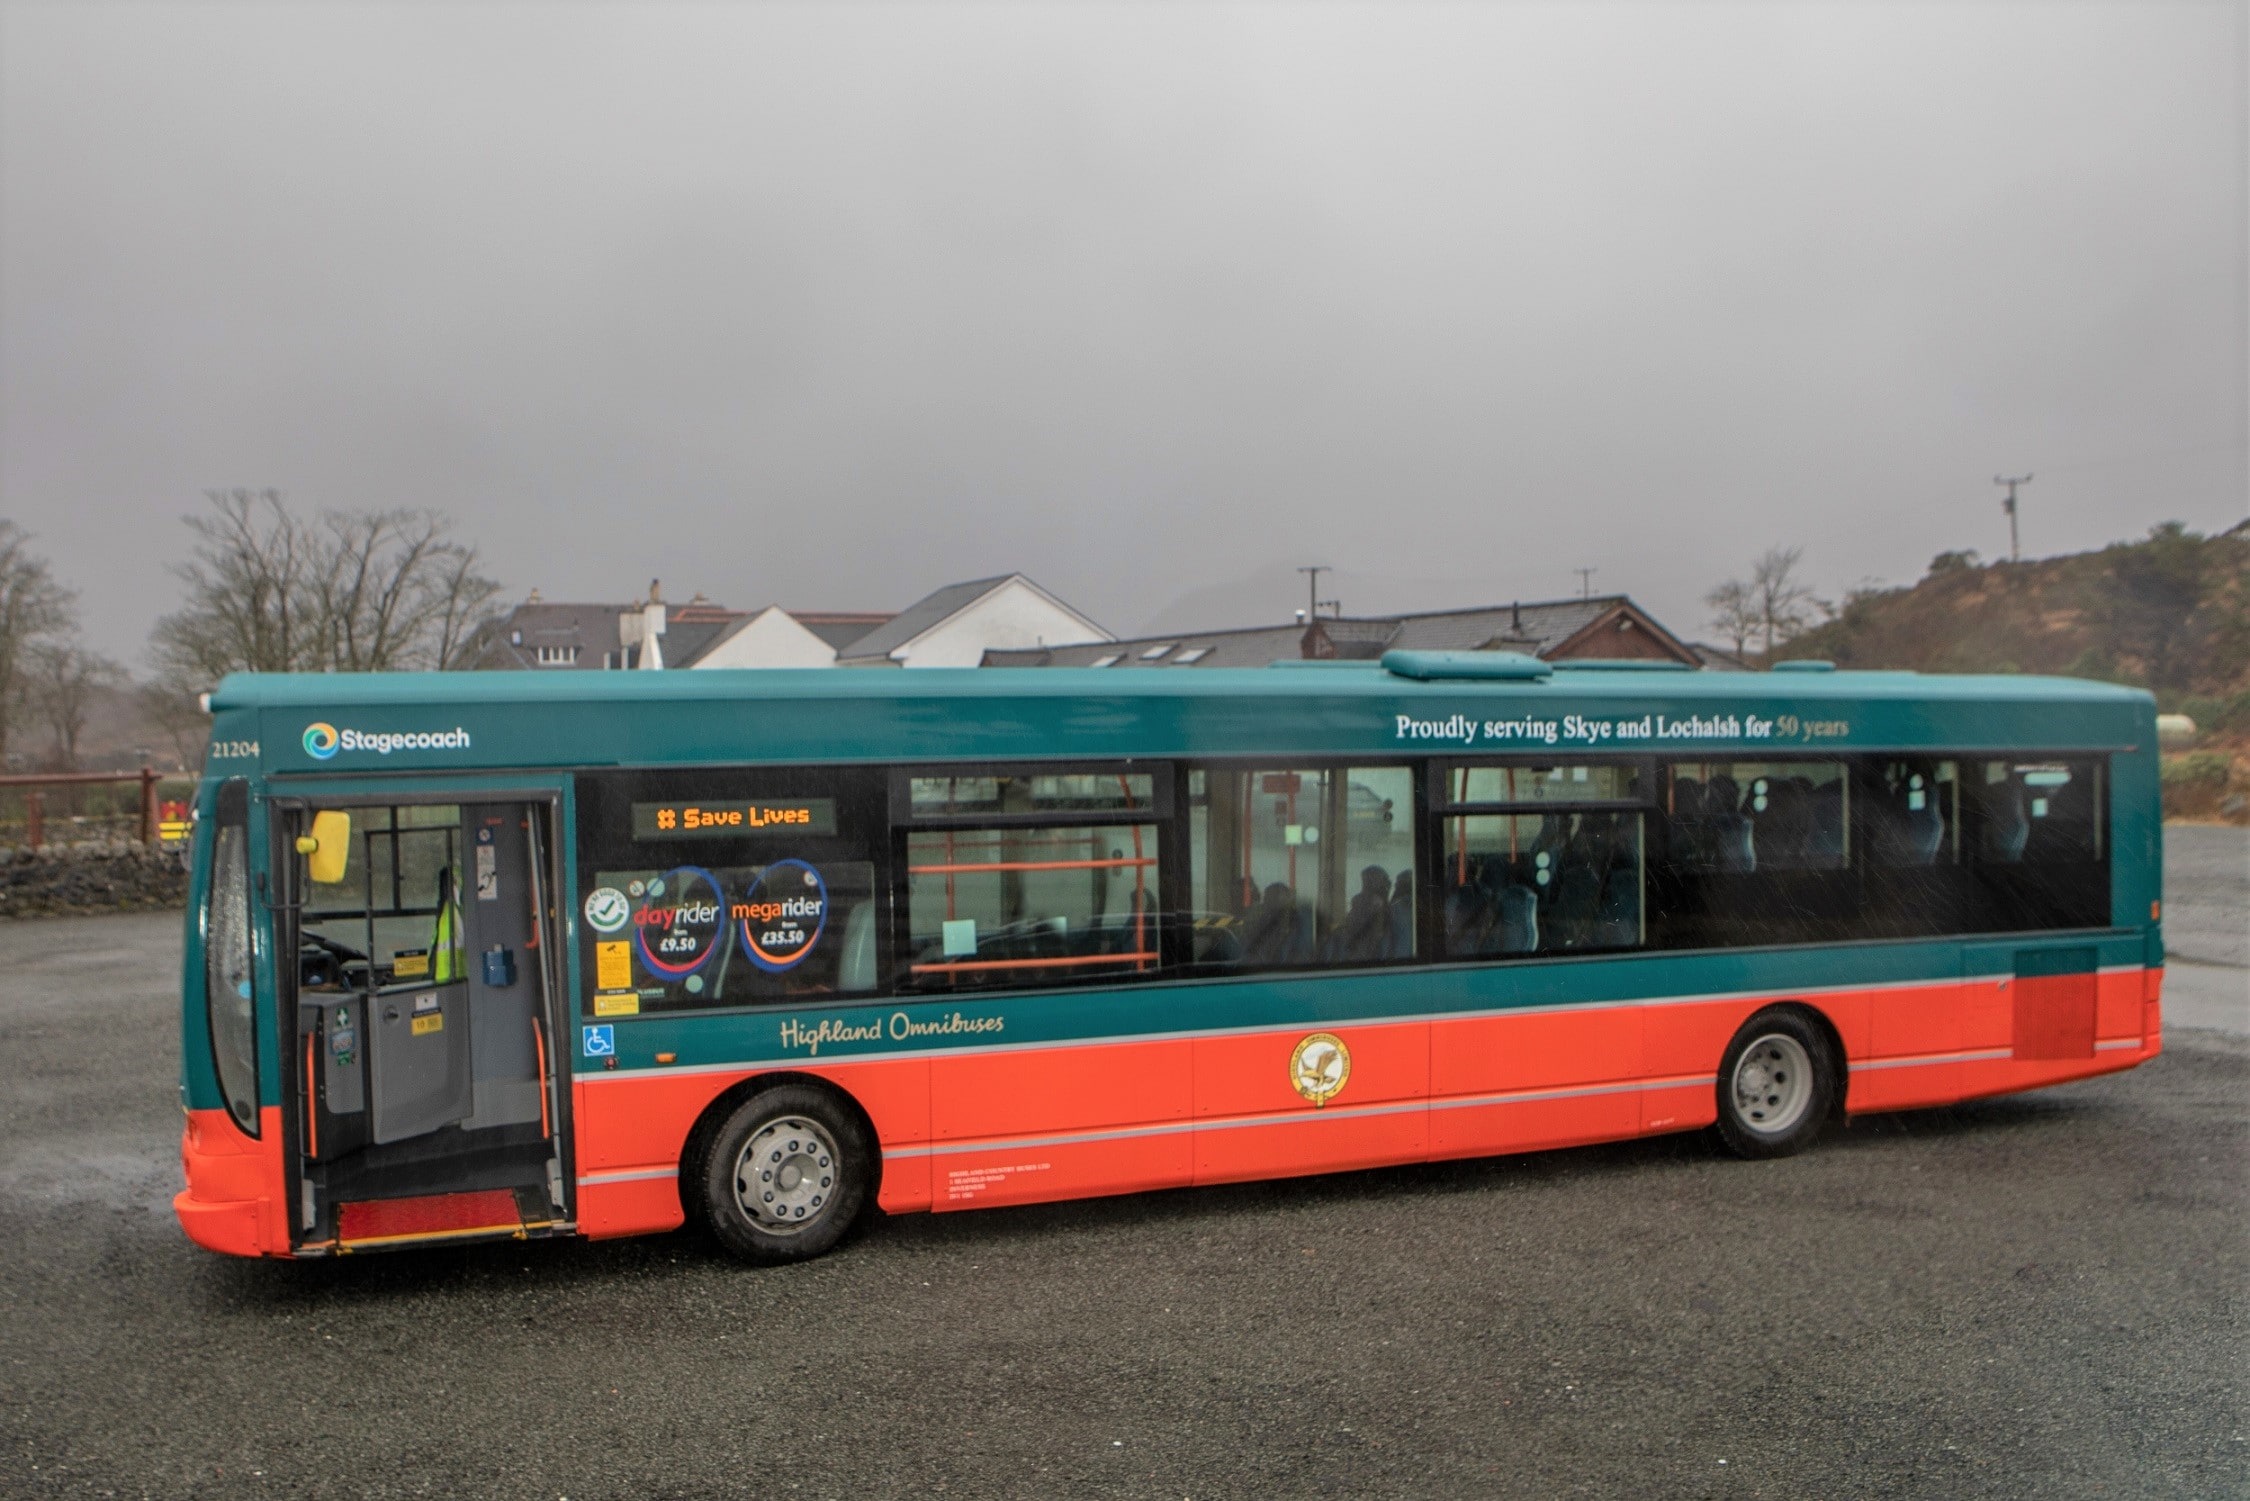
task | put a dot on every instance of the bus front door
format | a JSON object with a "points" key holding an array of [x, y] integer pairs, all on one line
{"points": [[425, 1002]]}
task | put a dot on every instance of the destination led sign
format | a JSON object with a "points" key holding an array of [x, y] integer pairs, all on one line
{"points": [[696, 819]]}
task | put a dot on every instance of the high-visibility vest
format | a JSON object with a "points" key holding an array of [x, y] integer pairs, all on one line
{"points": [[449, 959]]}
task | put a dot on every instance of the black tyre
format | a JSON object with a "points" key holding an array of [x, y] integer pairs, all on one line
{"points": [[787, 1175], [1777, 1085]]}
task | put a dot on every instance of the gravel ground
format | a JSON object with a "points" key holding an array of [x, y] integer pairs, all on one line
{"points": [[2038, 1296], [2207, 927]]}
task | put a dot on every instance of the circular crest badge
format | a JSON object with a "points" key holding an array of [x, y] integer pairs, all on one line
{"points": [[1319, 1067]]}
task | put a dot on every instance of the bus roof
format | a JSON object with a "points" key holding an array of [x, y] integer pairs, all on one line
{"points": [[282, 725], [1602, 679], [455, 721]]}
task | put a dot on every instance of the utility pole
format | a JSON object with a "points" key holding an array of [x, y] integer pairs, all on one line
{"points": [[1585, 581], [1313, 600], [2015, 552]]}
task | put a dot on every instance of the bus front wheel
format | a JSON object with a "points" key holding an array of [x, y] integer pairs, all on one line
{"points": [[787, 1175], [1777, 1085]]}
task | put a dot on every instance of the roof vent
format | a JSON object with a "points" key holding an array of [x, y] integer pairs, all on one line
{"points": [[1804, 664], [1487, 666]]}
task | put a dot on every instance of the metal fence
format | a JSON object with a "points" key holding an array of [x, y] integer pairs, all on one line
{"points": [[94, 807]]}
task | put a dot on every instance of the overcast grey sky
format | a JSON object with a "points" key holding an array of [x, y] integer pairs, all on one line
{"points": [[829, 305]]}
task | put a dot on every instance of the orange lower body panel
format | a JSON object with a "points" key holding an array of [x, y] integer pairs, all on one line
{"points": [[1019, 1126], [1034, 1125]]}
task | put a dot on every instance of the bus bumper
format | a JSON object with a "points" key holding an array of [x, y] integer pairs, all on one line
{"points": [[233, 1184]]}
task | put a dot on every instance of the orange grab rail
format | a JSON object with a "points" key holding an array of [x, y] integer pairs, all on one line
{"points": [[966, 964], [539, 1042], [951, 869], [312, 1101]]}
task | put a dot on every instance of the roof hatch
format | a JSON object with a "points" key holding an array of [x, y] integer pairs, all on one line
{"points": [[1485, 666]]}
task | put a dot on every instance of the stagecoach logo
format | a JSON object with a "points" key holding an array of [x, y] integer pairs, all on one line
{"points": [[323, 740], [1319, 1067]]}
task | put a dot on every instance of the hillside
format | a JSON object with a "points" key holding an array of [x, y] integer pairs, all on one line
{"points": [[2170, 613]]}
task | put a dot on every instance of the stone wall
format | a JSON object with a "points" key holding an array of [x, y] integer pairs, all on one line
{"points": [[89, 878]]}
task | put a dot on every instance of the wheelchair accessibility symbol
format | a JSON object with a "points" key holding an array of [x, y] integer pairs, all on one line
{"points": [[598, 1042]]}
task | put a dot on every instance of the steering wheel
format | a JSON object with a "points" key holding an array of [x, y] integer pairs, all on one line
{"points": [[329, 946]]}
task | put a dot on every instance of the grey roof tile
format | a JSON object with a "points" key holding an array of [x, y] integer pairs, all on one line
{"points": [[879, 643], [1534, 628]]}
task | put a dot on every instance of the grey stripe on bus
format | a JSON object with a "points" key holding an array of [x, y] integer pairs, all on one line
{"points": [[1288, 1118], [629, 1175], [1922, 1060]]}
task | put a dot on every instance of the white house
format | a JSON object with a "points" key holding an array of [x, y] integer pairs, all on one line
{"points": [[774, 637], [954, 627], [958, 624]]}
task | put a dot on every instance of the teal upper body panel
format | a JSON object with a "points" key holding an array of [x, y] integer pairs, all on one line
{"points": [[293, 724], [452, 731]]}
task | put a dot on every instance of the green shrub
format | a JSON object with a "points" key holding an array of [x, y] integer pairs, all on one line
{"points": [[2195, 783], [2228, 715]]}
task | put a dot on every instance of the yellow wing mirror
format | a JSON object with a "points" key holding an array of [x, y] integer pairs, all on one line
{"points": [[328, 847]]}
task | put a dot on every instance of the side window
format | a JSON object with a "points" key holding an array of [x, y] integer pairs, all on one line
{"points": [[1310, 865], [1744, 817], [1913, 818], [228, 994], [1531, 861], [727, 888], [2035, 832], [395, 917], [1031, 878], [2037, 812]]}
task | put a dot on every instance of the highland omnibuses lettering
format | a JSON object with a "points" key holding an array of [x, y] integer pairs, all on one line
{"points": [[795, 1034], [899, 1027]]}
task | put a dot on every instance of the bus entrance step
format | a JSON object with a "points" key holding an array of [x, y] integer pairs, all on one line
{"points": [[377, 1222]]}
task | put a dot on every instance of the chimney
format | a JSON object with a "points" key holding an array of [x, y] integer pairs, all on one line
{"points": [[652, 627]]}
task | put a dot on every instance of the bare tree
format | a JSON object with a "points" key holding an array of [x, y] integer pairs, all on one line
{"points": [[365, 591], [1786, 607], [179, 713], [394, 593], [33, 608], [1774, 605], [465, 601], [248, 593], [60, 681], [1734, 613]]}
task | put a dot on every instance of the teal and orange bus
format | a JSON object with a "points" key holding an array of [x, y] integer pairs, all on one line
{"points": [[598, 954]]}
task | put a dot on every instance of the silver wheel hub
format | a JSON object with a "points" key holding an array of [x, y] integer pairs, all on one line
{"points": [[785, 1177], [1772, 1084]]}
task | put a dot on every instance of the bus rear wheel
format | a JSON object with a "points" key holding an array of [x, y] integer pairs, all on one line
{"points": [[787, 1175], [1777, 1085]]}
